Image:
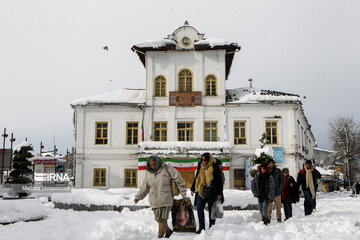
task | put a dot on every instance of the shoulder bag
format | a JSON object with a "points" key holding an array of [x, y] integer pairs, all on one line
{"points": [[174, 188]]}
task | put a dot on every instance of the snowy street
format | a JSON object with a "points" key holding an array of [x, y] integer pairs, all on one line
{"points": [[337, 217]]}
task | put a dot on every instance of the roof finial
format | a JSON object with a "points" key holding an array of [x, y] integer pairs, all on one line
{"points": [[250, 81], [186, 23]]}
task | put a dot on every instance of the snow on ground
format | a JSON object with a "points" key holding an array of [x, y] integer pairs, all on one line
{"points": [[125, 197], [336, 217], [21, 210]]}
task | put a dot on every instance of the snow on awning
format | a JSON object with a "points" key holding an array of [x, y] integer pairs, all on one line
{"points": [[253, 95], [185, 145], [184, 149], [123, 95]]}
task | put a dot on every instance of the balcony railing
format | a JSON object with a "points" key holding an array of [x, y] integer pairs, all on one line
{"points": [[185, 99]]}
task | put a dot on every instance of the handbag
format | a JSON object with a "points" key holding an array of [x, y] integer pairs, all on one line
{"points": [[217, 210], [174, 188]]}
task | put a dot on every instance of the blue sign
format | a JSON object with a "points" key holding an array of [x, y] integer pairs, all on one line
{"points": [[278, 154]]}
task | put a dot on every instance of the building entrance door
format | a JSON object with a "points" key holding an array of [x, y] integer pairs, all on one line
{"points": [[188, 177]]}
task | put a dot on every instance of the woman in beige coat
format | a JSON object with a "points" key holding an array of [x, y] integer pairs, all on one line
{"points": [[157, 183]]}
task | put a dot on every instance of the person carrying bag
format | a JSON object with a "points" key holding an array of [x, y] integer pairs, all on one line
{"points": [[208, 186], [157, 183]]}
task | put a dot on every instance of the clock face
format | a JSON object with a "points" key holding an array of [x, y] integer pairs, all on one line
{"points": [[185, 41]]}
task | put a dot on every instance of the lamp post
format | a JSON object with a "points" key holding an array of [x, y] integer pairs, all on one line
{"points": [[55, 150], [12, 140], [41, 148], [347, 153], [3, 156]]}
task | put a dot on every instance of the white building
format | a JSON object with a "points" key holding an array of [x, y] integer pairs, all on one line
{"points": [[185, 110]]}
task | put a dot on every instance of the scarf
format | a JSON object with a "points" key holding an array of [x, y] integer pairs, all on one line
{"points": [[205, 176], [285, 193], [310, 182], [158, 164]]}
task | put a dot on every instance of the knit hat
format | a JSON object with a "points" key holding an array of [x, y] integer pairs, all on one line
{"points": [[308, 162]]}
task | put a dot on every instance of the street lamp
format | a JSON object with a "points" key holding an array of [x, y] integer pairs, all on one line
{"points": [[12, 139], [3, 156]]}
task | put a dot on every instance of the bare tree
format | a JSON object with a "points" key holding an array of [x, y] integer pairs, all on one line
{"points": [[344, 134]]}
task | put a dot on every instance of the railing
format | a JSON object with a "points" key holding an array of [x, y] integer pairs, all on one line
{"points": [[185, 99]]}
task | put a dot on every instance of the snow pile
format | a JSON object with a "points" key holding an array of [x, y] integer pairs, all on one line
{"points": [[114, 197], [253, 95], [239, 198], [266, 150], [336, 217], [23, 144], [156, 43], [125, 197], [12, 211], [123, 95], [187, 145], [215, 42]]}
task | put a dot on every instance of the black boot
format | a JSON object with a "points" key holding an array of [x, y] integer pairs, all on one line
{"points": [[200, 229], [168, 233]]}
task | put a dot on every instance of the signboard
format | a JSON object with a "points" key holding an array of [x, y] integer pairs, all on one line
{"points": [[7, 157], [278, 154], [248, 165]]}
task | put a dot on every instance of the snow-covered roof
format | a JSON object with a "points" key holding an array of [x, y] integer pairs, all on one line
{"points": [[58, 159], [187, 145], [325, 172], [23, 144], [217, 42], [123, 95], [254, 95], [324, 150], [155, 43]]}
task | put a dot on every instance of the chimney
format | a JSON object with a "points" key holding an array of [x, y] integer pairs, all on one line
{"points": [[250, 81]]}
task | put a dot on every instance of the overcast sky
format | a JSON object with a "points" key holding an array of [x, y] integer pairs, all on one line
{"points": [[51, 54]]}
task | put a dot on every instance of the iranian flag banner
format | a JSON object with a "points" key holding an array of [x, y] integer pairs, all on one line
{"points": [[183, 164]]}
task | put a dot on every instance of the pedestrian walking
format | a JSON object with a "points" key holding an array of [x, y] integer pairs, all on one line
{"points": [[307, 179], [263, 187], [157, 183], [279, 180], [290, 193], [208, 187]]}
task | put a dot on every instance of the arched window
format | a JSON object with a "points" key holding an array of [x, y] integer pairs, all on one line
{"points": [[211, 85], [185, 78], [160, 86]]}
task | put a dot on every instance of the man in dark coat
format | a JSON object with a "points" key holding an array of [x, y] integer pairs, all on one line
{"points": [[307, 179], [279, 180], [208, 176]]}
